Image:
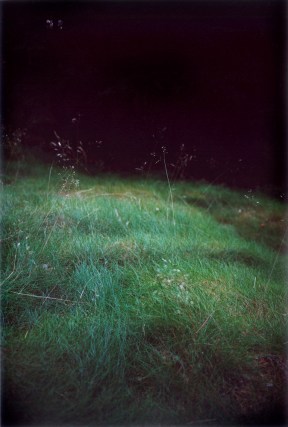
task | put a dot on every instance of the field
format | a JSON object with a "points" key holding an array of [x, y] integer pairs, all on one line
{"points": [[129, 301]]}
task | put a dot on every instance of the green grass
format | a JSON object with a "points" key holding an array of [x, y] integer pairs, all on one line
{"points": [[112, 314]]}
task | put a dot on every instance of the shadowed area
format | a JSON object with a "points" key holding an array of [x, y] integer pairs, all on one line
{"points": [[127, 78], [249, 218]]}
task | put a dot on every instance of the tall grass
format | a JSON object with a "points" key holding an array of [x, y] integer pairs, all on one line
{"points": [[114, 312]]}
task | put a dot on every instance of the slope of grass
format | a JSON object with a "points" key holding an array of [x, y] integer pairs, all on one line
{"points": [[111, 313]]}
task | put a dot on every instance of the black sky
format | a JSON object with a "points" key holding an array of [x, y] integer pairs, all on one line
{"points": [[211, 74]]}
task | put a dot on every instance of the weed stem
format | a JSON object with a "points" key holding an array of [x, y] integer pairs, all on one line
{"points": [[170, 190]]}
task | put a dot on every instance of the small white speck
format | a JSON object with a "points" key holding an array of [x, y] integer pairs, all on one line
{"points": [[270, 384]]}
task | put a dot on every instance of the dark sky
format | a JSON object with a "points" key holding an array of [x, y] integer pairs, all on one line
{"points": [[211, 74]]}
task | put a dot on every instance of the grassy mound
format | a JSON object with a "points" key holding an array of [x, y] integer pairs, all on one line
{"points": [[126, 301]]}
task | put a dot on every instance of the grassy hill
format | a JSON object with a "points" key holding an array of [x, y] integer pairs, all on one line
{"points": [[129, 301]]}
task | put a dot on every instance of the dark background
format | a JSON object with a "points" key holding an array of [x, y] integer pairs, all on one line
{"points": [[209, 75]]}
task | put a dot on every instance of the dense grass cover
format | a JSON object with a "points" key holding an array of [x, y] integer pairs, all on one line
{"points": [[126, 301]]}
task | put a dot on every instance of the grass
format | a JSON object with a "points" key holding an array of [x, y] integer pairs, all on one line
{"points": [[119, 307]]}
